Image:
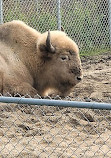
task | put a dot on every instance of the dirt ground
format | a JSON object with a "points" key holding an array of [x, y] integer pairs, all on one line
{"points": [[53, 132]]}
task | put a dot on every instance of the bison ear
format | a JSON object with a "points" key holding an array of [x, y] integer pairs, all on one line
{"points": [[49, 46]]}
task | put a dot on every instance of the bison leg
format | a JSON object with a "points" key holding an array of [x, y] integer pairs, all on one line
{"points": [[22, 89], [13, 85], [1, 82], [26, 88]]}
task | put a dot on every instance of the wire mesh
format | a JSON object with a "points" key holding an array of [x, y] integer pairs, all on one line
{"points": [[85, 21], [42, 131], [51, 132]]}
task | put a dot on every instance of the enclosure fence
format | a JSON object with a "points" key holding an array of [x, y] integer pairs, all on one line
{"points": [[87, 22], [51, 128]]}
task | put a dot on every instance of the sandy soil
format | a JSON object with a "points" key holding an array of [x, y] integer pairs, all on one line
{"points": [[52, 132], [96, 85]]}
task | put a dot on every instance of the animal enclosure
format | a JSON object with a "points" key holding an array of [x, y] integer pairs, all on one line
{"points": [[29, 131], [87, 22]]}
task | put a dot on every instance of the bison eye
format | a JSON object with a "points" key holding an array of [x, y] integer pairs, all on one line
{"points": [[64, 57]]}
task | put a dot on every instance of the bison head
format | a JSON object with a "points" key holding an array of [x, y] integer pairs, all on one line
{"points": [[60, 65]]}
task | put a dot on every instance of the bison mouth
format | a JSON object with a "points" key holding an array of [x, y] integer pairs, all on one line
{"points": [[65, 88], [67, 84]]}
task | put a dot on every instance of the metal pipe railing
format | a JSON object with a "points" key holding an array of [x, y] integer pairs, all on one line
{"points": [[61, 103]]}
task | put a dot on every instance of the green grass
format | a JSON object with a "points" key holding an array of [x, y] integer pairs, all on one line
{"points": [[95, 52]]}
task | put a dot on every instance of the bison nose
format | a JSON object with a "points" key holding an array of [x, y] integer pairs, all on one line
{"points": [[79, 78]]}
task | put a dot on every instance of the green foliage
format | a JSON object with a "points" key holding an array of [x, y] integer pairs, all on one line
{"points": [[85, 22], [11, 16], [95, 51], [37, 18], [44, 21], [87, 26]]}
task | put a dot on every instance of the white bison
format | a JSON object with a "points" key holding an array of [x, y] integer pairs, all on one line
{"points": [[34, 63]]}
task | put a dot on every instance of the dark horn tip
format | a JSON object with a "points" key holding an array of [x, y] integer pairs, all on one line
{"points": [[49, 33]]}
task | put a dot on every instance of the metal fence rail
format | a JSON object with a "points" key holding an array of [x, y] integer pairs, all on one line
{"points": [[60, 103], [87, 22]]}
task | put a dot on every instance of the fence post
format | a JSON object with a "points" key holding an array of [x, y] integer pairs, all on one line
{"points": [[58, 15], [110, 20], [1, 12]]}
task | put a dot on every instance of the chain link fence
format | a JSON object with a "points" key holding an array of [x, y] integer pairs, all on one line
{"points": [[32, 131], [87, 22], [29, 131]]}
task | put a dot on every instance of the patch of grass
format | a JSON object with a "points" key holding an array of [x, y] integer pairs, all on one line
{"points": [[95, 52]]}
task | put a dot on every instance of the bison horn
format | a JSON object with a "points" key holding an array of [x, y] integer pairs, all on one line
{"points": [[48, 44]]}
